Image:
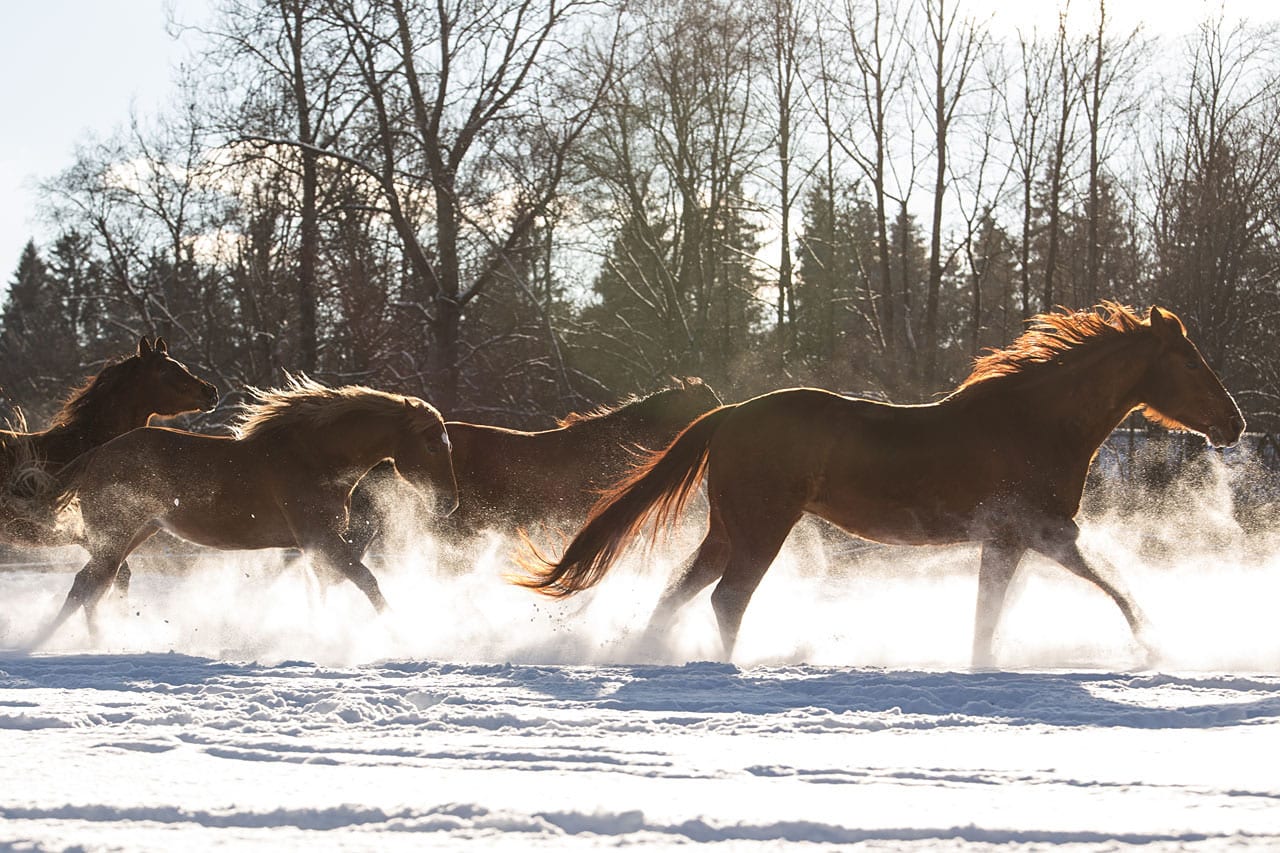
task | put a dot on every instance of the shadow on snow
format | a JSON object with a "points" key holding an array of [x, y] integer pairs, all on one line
{"points": [[931, 698]]}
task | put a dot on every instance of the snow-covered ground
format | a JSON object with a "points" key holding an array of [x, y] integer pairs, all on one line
{"points": [[238, 704]]}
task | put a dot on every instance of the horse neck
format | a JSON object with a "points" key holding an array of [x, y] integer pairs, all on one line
{"points": [[90, 427], [630, 419], [355, 444], [1093, 397]]}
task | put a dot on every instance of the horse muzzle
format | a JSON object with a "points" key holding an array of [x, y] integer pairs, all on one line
{"points": [[444, 504], [1228, 433]]}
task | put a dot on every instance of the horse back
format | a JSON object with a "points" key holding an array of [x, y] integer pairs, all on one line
{"points": [[152, 464], [891, 473], [522, 477]]}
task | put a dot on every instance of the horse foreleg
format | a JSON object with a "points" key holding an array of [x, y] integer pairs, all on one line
{"points": [[999, 561], [123, 575], [364, 522], [345, 562], [1061, 546]]}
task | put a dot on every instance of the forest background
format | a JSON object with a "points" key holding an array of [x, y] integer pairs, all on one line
{"points": [[518, 208]]}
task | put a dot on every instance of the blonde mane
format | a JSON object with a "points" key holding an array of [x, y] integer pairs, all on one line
{"points": [[1053, 337], [641, 406], [305, 404]]}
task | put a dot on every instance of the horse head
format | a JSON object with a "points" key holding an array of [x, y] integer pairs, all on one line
{"points": [[423, 456], [169, 387], [684, 402], [1180, 391]]}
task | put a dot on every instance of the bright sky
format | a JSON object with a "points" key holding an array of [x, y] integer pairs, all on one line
{"points": [[72, 70]]}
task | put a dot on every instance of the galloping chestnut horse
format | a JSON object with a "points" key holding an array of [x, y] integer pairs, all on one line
{"points": [[283, 482], [511, 479], [121, 397], [1002, 461]]}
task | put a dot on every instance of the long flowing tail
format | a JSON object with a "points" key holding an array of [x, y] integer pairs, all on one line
{"points": [[32, 497], [658, 488]]}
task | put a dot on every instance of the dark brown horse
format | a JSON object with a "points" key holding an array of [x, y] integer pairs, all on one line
{"points": [[283, 482], [122, 396], [1001, 461], [511, 479]]}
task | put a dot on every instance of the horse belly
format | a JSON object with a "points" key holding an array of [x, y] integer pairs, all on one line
{"points": [[895, 523], [907, 506], [241, 529]]}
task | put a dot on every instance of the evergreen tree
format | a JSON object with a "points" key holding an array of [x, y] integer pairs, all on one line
{"points": [[38, 348], [633, 332]]}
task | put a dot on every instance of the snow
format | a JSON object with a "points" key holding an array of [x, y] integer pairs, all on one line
{"points": [[237, 703]]}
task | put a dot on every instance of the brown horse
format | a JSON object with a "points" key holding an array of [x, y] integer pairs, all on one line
{"points": [[1002, 461], [511, 479], [283, 482], [122, 396]]}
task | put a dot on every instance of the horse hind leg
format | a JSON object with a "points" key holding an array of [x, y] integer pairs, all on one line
{"points": [[90, 583], [999, 561], [754, 543], [702, 568], [124, 574]]}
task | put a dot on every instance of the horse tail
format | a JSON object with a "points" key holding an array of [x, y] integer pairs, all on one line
{"points": [[657, 488]]}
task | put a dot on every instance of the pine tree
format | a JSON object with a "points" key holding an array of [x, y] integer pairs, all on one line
{"points": [[38, 350]]}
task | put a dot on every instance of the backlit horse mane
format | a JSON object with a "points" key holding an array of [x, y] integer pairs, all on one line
{"points": [[303, 403], [1053, 336], [654, 401]]}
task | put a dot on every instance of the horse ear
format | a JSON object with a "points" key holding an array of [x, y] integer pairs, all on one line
{"points": [[1164, 324], [144, 347], [162, 345]]}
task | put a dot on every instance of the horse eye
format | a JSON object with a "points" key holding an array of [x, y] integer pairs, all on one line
{"points": [[1192, 364]]}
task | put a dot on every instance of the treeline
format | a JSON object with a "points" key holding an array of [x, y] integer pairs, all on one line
{"points": [[519, 207]]}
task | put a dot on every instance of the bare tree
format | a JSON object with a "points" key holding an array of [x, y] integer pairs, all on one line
{"points": [[672, 152], [981, 179], [1109, 97], [466, 133], [956, 48], [877, 49], [146, 199], [1216, 177], [786, 45], [1026, 117], [1066, 60], [279, 65]]}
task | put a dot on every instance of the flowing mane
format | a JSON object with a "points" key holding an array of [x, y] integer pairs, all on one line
{"points": [[304, 403], [1053, 337], [639, 406], [82, 400]]}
